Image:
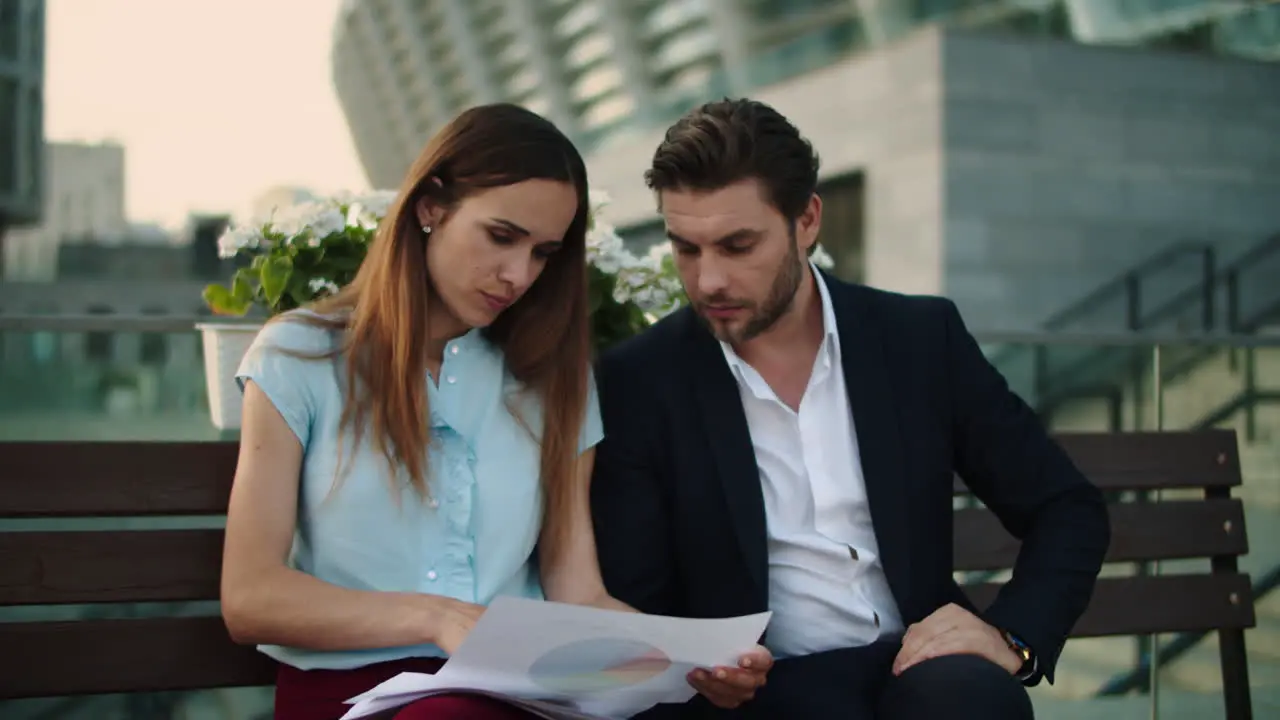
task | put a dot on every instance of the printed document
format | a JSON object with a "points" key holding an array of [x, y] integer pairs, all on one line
{"points": [[570, 662]]}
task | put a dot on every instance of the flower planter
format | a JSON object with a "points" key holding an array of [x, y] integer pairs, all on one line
{"points": [[225, 345]]}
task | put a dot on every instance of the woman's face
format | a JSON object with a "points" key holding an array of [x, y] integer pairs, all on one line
{"points": [[494, 245]]}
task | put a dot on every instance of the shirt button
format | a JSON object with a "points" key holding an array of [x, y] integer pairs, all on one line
{"points": [[434, 503], [451, 379], [431, 575], [453, 349]]}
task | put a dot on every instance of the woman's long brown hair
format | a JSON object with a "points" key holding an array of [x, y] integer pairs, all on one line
{"points": [[545, 337]]}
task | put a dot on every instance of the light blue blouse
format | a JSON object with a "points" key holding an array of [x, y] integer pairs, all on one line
{"points": [[473, 541]]}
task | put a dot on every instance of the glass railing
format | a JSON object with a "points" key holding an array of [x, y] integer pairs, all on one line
{"points": [[143, 379], [102, 378]]}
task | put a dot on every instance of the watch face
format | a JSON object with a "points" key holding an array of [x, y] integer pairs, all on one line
{"points": [[1018, 647]]}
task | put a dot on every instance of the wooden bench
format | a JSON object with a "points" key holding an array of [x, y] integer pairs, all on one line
{"points": [[75, 480], [1208, 525]]}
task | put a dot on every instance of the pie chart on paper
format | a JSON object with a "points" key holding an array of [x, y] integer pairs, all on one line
{"points": [[598, 664]]}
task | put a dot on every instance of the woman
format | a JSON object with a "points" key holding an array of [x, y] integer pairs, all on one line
{"points": [[394, 435]]}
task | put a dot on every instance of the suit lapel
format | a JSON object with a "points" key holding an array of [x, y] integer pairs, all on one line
{"points": [[867, 377], [725, 422]]}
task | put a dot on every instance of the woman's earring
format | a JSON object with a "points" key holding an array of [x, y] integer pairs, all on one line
{"points": [[426, 229]]}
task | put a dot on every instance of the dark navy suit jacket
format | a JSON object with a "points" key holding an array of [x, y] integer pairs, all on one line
{"points": [[676, 497]]}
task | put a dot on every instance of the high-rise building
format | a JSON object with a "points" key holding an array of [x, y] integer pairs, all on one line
{"points": [[402, 68], [606, 69], [21, 114], [82, 202]]}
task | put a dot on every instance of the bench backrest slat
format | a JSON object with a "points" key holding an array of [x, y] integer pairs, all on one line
{"points": [[1152, 460], [1172, 530], [1157, 603], [109, 566], [104, 656], [111, 479]]}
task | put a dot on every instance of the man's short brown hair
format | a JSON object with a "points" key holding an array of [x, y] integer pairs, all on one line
{"points": [[727, 141]]}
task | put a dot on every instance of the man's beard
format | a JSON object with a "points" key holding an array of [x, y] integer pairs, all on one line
{"points": [[782, 293]]}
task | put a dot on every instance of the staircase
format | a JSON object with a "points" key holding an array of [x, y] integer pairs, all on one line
{"points": [[1089, 386]]}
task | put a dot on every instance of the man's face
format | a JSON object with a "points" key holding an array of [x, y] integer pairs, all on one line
{"points": [[740, 261]]}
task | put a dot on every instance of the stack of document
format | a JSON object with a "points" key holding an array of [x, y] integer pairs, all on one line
{"points": [[569, 662]]}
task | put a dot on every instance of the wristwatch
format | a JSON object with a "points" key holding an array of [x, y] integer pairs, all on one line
{"points": [[1023, 651]]}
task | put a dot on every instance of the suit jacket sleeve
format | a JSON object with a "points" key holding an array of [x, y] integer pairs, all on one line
{"points": [[1011, 463], [630, 508]]}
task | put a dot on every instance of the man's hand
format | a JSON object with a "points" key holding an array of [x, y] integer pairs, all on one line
{"points": [[729, 687], [952, 630]]}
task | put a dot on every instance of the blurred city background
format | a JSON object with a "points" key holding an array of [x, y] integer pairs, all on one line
{"points": [[1088, 179]]}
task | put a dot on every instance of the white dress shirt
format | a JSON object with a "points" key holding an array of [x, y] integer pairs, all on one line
{"points": [[827, 588]]}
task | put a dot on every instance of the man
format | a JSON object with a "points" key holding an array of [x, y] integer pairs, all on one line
{"points": [[788, 442]]}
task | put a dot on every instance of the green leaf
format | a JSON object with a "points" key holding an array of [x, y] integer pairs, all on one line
{"points": [[308, 258], [223, 301], [299, 289], [344, 263], [275, 275], [242, 288]]}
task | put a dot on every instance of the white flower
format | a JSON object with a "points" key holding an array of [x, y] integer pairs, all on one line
{"points": [[659, 251], [321, 286], [294, 219], [597, 200], [239, 238], [821, 258], [327, 222], [373, 206], [606, 251]]}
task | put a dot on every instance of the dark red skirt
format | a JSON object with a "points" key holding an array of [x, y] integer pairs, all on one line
{"points": [[321, 694]]}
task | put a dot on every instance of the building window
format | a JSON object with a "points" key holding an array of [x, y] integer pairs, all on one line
{"points": [[9, 140], [608, 112], [9, 31], [578, 19], [590, 49], [597, 83]]}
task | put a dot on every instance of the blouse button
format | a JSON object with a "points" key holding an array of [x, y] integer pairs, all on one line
{"points": [[452, 379], [431, 575], [434, 503], [453, 349]]}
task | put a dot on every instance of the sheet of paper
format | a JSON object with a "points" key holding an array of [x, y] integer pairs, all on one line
{"points": [[605, 663]]}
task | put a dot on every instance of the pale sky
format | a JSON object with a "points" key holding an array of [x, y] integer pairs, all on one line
{"points": [[214, 101]]}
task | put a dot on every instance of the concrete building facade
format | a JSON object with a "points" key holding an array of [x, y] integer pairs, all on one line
{"points": [[1015, 174], [1014, 155]]}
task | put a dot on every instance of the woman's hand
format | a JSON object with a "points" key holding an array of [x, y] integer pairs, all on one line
{"points": [[451, 622], [729, 687]]}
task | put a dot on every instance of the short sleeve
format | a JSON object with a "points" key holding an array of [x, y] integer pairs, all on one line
{"points": [[288, 381], [592, 424]]}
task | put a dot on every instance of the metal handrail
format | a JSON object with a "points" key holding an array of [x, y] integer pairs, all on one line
{"points": [[187, 323], [1128, 284], [1050, 390], [103, 323]]}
